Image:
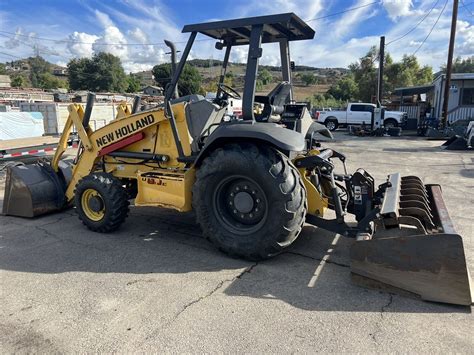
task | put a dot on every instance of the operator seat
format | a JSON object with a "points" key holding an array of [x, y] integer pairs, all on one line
{"points": [[200, 115], [274, 103]]}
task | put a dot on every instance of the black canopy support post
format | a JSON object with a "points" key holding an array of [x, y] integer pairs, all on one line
{"points": [[285, 63], [88, 111], [136, 103], [174, 82], [255, 52], [174, 129], [170, 90], [224, 67]]}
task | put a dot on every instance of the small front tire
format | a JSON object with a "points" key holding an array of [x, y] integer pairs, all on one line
{"points": [[101, 202]]}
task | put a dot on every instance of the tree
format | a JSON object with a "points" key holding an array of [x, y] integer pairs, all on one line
{"points": [[162, 74], [77, 73], [18, 81], [308, 79], [462, 65], [345, 89], [103, 72], [49, 81], [265, 77], [134, 84], [320, 101], [408, 72], [38, 67], [2, 69], [365, 75], [189, 82], [210, 84], [229, 79]]}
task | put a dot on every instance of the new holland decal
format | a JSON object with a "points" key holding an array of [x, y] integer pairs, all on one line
{"points": [[125, 131]]}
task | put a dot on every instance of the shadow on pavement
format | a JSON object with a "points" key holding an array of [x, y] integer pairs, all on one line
{"points": [[468, 173], [163, 241]]}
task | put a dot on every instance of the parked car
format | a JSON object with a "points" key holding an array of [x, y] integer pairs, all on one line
{"points": [[356, 114]]}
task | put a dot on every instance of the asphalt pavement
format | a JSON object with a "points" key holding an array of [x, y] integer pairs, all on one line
{"points": [[157, 285]]}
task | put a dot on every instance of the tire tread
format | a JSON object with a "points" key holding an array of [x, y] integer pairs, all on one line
{"points": [[285, 177]]}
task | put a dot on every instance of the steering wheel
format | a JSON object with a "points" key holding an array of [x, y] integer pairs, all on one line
{"points": [[226, 89]]}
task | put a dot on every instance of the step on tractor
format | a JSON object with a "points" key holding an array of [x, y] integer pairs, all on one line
{"points": [[251, 181]]}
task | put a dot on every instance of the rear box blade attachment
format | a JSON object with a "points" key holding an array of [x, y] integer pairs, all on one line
{"points": [[431, 265]]}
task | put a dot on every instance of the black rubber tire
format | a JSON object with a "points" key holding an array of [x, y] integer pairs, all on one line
{"points": [[114, 197], [394, 132], [328, 123], [282, 188], [390, 123]]}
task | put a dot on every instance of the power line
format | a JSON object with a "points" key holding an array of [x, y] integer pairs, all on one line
{"points": [[344, 11], [465, 7], [414, 28], [11, 55], [157, 43], [93, 43], [432, 28]]}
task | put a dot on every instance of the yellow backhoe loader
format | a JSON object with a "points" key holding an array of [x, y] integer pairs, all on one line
{"points": [[252, 181]]}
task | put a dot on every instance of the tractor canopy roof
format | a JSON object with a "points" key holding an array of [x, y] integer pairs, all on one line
{"points": [[237, 32]]}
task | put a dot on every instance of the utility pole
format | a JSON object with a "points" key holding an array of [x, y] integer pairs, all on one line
{"points": [[449, 65], [380, 81], [381, 62]]}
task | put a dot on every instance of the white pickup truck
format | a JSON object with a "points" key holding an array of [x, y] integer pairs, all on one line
{"points": [[358, 113]]}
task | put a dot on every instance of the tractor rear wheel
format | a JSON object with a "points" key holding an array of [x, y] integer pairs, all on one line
{"points": [[249, 200], [101, 202]]}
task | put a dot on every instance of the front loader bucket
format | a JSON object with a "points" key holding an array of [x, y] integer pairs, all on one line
{"points": [[32, 190], [431, 263]]}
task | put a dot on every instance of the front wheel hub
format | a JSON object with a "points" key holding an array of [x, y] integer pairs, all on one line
{"points": [[93, 205], [96, 204]]}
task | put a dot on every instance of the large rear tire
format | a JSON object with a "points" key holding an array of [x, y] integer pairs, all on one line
{"points": [[249, 200], [101, 202]]}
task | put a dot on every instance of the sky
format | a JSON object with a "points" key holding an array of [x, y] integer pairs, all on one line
{"points": [[134, 30]]}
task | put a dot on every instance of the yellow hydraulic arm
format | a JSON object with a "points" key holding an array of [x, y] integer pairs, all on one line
{"points": [[75, 118], [123, 110]]}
